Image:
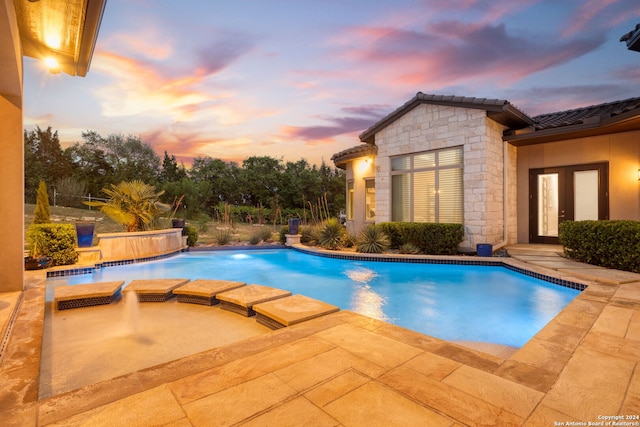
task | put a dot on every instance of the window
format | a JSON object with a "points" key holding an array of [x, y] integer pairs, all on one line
{"points": [[369, 200], [427, 187], [350, 200]]}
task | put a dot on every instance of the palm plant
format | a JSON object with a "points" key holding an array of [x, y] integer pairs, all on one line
{"points": [[133, 204]]}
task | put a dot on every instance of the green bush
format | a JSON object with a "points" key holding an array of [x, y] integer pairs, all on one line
{"points": [[430, 238], [611, 244], [192, 234], [372, 240], [55, 240], [331, 235]]}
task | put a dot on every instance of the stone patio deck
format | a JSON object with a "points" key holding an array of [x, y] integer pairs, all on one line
{"points": [[347, 369]]}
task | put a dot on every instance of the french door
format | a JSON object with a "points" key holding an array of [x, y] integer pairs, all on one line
{"points": [[557, 194]]}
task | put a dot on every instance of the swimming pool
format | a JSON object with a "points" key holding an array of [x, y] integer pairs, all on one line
{"points": [[453, 302]]}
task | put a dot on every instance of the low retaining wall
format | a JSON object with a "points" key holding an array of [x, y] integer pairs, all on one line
{"points": [[140, 244]]}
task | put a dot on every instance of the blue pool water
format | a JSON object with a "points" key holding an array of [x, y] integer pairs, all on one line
{"points": [[451, 302]]}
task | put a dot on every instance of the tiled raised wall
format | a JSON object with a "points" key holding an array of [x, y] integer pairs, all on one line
{"points": [[431, 127]]}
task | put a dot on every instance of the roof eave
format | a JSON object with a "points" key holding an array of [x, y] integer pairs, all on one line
{"points": [[504, 113], [625, 122]]}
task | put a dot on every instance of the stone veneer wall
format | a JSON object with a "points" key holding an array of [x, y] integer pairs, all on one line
{"points": [[430, 127], [141, 244]]}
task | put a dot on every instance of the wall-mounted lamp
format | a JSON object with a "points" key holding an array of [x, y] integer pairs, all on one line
{"points": [[638, 174]]}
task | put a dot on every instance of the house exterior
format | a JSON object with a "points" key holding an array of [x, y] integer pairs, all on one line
{"points": [[507, 177]]}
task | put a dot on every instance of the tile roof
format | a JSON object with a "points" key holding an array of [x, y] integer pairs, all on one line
{"points": [[590, 114], [632, 38], [353, 152]]}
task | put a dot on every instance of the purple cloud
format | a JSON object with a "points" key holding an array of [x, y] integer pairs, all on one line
{"points": [[357, 119], [224, 50]]}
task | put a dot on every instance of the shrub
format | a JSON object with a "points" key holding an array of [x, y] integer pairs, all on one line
{"points": [[42, 214], [55, 240], [611, 244], [430, 238], [255, 238], [265, 233], [372, 240], [331, 234], [192, 234], [283, 234], [309, 234], [222, 236]]}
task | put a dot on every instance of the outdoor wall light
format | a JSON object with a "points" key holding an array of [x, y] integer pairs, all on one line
{"points": [[638, 174]]}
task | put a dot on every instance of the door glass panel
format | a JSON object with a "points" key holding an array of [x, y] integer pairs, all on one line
{"points": [[548, 205], [585, 191]]}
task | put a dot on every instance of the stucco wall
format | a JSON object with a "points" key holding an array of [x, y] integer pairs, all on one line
{"points": [[431, 127], [621, 150], [12, 171]]}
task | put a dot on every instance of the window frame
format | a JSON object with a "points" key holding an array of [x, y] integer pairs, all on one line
{"points": [[411, 170]]}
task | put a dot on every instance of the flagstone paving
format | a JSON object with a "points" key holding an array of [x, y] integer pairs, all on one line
{"points": [[344, 369]]}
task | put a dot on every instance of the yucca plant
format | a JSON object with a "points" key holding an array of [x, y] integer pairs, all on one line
{"points": [[133, 204], [372, 240], [331, 235], [409, 249]]}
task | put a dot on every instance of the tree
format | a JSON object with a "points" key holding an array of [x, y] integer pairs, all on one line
{"points": [[44, 160], [133, 204], [128, 157], [260, 180], [170, 171], [42, 214]]}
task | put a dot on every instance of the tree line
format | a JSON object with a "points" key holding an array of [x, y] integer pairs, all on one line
{"points": [[259, 182]]}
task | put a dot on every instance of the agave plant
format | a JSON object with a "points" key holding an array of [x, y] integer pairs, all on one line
{"points": [[133, 204], [331, 235], [372, 240]]}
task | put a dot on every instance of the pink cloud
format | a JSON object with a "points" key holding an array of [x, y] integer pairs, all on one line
{"points": [[452, 52]]}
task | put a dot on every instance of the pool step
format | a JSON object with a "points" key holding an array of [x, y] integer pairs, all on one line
{"points": [[86, 295], [154, 290], [291, 310], [241, 300], [204, 292]]}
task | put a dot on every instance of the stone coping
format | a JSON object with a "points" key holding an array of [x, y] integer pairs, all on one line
{"points": [[288, 311]]}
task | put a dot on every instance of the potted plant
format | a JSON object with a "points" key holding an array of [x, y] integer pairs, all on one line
{"points": [[37, 259]]}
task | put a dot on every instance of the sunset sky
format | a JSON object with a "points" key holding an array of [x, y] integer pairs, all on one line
{"points": [[298, 79]]}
